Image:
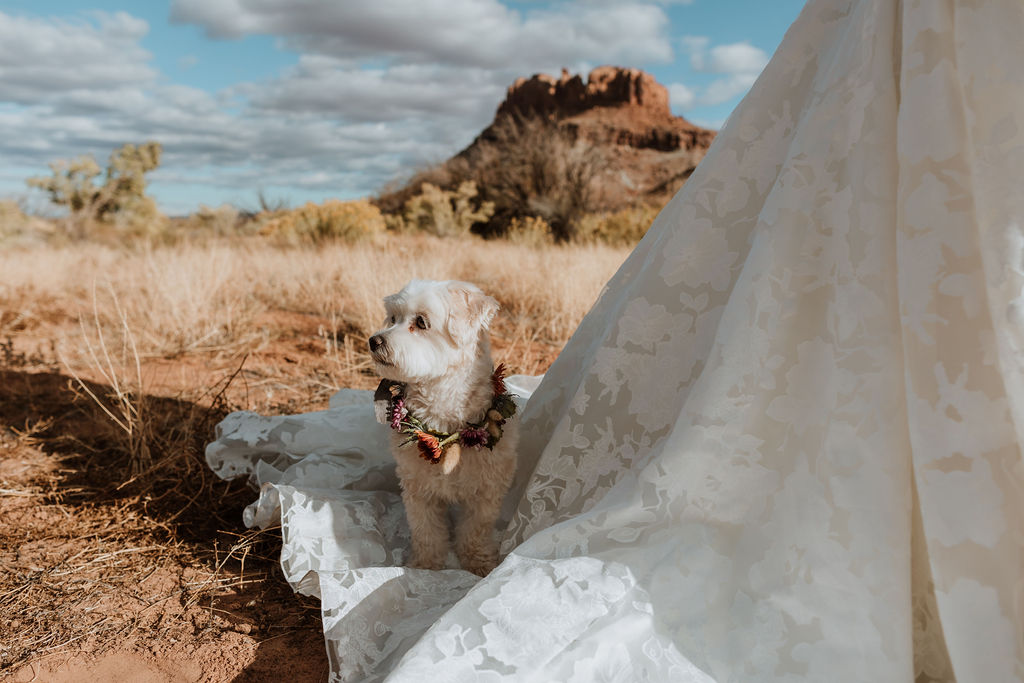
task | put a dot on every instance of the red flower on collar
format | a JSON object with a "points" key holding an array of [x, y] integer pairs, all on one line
{"points": [[498, 380]]}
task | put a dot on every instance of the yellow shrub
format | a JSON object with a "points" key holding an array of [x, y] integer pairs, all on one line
{"points": [[11, 218], [622, 228], [137, 217], [396, 222], [220, 220], [334, 220], [530, 231], [446, 213], [15, 226]]}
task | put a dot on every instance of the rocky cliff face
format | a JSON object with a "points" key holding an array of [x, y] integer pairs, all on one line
{"points": [[569, 95], [618, 115], [621, 114], [614, 106]]}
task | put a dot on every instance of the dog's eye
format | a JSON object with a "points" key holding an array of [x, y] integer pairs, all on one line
{"points": [[422, 323], [392, 320]]}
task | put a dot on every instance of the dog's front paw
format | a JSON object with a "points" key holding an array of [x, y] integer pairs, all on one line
{"points": [[418, 561], [478, 558], [480, 566]]}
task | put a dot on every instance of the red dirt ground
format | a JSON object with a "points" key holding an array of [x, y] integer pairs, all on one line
{"points": [[115, 568]]}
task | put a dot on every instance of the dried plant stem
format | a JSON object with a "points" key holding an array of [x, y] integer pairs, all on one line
{"points": [[125, 407]]}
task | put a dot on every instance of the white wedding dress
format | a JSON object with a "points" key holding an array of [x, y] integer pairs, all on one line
{"points": [[785, 445]]}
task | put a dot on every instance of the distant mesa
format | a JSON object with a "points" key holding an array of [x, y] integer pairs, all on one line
{"points": [[606, 86], [615, 106], [620, 114]]}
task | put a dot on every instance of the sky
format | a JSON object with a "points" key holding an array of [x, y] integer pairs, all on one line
{"points": [[303, 100]]}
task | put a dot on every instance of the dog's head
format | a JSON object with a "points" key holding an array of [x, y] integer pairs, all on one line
{"points": [[430, 328]]}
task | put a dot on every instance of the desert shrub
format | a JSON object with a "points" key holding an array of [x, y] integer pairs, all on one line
{"points": [[10, 217], [140, 218], [446, 213], [534, 167], [334, 220], [12, 220], [120, 201], [395, 222], [17, 227], [625, 227], [522, 167], [392, 197], [72, 184], [220, 221], [529, 231]]}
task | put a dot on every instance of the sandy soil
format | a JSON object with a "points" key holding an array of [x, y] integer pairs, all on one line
{"points": [[112, 573]]}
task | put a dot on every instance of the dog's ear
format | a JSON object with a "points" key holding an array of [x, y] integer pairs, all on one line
{"points": [[470, 312]]}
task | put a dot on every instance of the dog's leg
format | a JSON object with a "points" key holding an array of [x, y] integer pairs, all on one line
{"points": [[475, 543], [428, 523]]}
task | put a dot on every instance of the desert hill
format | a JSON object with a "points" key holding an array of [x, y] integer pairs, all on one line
{"points": [[622, 112], [600, 144]]}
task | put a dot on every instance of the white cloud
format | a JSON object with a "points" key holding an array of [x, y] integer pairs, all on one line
{"points": [[85, 87], [480, 33], [739, 65], [40, 58], [203, 142], [330, 87], [738, 58], [725, 89], [681, 97], [697, 46]]}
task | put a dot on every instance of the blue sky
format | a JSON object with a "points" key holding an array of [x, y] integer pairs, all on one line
{"points": [[310, 99]]}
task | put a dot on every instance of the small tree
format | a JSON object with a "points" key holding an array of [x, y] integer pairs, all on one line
{"points": [[447, 213], [122, 195], [536, 167]]}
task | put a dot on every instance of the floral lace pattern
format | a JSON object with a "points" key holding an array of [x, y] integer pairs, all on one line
{"points": [[785, 443]]}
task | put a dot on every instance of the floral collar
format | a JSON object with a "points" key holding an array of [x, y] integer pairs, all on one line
{"points": [[389, 405]]}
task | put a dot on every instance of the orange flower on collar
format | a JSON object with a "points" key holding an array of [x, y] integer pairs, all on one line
{"points": [[430, 446]]}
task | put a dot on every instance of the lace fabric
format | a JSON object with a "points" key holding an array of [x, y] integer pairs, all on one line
{"points": [[784, 444]]}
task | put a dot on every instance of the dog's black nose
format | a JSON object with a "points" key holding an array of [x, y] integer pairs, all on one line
{"points": [[376, 342]]}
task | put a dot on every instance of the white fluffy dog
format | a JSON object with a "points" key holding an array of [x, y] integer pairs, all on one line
{"points": [[454, 439]]}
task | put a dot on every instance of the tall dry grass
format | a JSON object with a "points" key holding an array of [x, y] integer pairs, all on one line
{"points": [[116, 308], [188, 298]]}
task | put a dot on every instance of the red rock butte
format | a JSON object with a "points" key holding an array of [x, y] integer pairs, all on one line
{"points": [[606, 86], [621, 114], [615, 106]]}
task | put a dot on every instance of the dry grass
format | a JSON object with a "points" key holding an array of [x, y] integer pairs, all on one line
{"points": [[182, 299], [116, 364]]}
